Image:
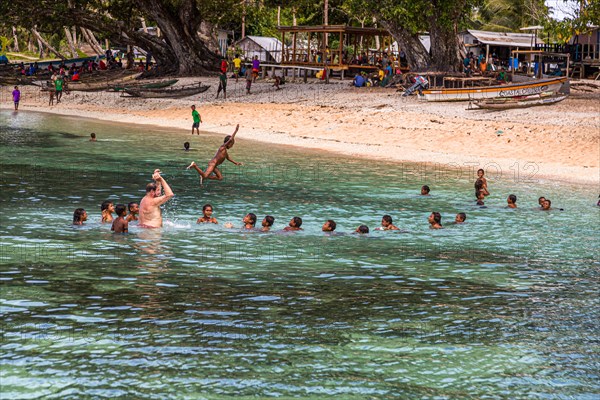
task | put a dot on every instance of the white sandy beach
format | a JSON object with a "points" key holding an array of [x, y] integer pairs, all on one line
{"points": [[559, 142]]}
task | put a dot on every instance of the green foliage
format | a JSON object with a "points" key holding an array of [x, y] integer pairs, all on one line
{"points": [[587, 16], [4, 43], [508, 15]]}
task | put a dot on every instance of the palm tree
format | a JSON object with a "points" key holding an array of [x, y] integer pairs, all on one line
{"points": [[509, 15]]}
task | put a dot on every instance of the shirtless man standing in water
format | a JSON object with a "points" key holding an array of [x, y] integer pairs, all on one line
{"points": [[150, 215], [211, 171]]}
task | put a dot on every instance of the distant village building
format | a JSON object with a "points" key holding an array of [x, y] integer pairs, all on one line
{"points": [[499, 44], [268, 49], [588, 45]]}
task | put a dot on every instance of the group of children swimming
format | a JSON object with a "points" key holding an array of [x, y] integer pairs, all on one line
{"points": [[120, 224]]}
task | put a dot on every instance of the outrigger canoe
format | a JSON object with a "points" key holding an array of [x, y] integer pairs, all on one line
{"points": [[507, 103], [489, 92]]}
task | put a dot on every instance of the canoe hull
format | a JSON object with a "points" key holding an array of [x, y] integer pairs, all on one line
{"points": [[506, 104], [167, 93], [490, 92]]}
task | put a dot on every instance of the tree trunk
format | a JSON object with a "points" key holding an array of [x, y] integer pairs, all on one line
{"points": [[91, 39], [52, 49], [16, 40], [74, 35], [182, 50], [70, 42], [445, 46], [416, 55], [244, 20], [40, 47]]}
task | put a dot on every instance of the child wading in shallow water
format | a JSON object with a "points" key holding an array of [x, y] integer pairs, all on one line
{"points": [[120, 224], [107, 209], [249, 221], [134, 210], [484, 187], [207, 217], [294, 225], [267, 223], [79, 216], [435, 220]]}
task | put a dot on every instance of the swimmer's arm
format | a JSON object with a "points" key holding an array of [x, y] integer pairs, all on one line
{"points": [[229, 159], [168, 195], [233, 135]]}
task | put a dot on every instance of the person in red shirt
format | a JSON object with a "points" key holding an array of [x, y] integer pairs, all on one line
{"points": [[224, 66]]}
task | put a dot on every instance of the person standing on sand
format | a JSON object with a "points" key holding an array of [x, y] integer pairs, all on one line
{"points": [[150, 215], [212, 172], [16, 97], [197, 120], [248, 80], [255, 68], [237, 66], [222, 85], [58, 87]]}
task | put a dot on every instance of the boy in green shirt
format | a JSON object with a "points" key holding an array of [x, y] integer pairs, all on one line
{"points": [[197, 120], [58, 85]]}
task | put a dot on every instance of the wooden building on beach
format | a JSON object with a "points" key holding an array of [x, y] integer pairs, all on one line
{"points": [[337, 47]]}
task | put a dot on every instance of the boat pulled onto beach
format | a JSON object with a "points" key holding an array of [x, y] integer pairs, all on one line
{"points": [[507, 103], [169, 92], [513, 90]]}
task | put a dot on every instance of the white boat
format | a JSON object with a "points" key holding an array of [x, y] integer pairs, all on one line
{"points": [[489, 92], [505, 103]]}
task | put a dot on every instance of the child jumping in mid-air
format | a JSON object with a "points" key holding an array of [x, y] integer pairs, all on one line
{"points": [[211, 171]]}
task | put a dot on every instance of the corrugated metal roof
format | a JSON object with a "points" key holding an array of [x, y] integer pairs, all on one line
{"points": [[267, 43], [505, 38]]}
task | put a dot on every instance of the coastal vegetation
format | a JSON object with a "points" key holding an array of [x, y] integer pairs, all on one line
{"points": [[181, 34]]}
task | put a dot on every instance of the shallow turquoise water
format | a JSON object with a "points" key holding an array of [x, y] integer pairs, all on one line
{"points": [[505, 306]]}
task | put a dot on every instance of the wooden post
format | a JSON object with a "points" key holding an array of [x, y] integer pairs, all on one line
{"points": [[278, 15], [294, 48], [341, 60], [285, 57], [305, 75]]}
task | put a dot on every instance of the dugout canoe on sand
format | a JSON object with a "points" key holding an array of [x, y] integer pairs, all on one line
{"points": [[171, 92], [143, 85]]}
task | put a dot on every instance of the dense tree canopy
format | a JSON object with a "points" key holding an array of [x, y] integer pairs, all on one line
{"points": [[180, 49]]}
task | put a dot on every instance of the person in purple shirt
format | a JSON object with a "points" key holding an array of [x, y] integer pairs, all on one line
{"points": [[255, 68], [16, 97]]}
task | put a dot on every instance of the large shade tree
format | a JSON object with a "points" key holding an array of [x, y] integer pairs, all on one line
{"points": [[179, 49], [406, 18]]}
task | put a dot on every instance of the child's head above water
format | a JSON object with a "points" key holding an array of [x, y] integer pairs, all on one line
{"points": [[121, 210]]}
